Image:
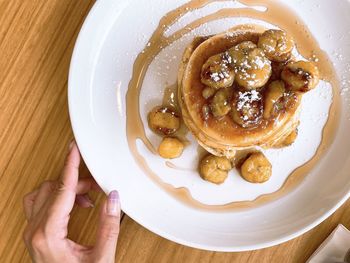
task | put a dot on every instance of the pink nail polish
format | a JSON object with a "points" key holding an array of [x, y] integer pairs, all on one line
{"points": [[89, 202], [84, 200], [113, 205]]}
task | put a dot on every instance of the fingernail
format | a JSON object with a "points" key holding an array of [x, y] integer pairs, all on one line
{"points": [[71, 145], [113, 206], [84, 200]]}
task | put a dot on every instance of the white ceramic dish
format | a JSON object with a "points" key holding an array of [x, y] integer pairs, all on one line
{"points": [[100, 71]]}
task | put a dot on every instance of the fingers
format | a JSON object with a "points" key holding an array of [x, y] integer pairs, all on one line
{"points": [[63, 201], [84, 186], [65, 190], [108, 231], [35, 200], [43, 195], [28, 202], [87, 184], [84, 201]]}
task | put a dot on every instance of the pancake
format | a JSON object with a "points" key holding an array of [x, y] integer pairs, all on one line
{"points": [[223, 136]]}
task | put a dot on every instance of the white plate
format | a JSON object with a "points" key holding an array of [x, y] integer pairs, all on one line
{"points": [[112, 36]]}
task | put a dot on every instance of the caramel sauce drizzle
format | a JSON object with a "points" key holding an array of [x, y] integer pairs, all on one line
{"points": [[276, 14]]}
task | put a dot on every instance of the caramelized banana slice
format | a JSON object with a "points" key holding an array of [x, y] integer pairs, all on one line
{"points": [[274, 93], [170, 148], [252, 67], [220, 104], [208, 92], [301, 76], [214, 169], [163, 120], [257, 168], [276, 44], [247, 108], [240, 51], [245, 46], [217, 73], [254, 70]]}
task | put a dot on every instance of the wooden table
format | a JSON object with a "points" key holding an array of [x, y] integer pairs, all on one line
{"points": [[36, 42]]}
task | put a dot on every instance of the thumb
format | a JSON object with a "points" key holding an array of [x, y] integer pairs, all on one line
{"points": [[108, 230]]}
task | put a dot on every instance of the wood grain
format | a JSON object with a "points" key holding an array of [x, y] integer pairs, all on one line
{"points": [[36, 42], [153, 248]]}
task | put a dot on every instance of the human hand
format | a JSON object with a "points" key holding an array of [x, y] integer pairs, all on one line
{"points": [[48, 208]]}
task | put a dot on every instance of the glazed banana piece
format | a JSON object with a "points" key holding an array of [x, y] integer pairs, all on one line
{"points": [[208, 92], [247, 108], [276, 44], [220, 104], [170, 148], [217, 73], [300, 76], [164, 120], [275, 91], [214, 169], [238, 52], [256, 168], [252, 67]]}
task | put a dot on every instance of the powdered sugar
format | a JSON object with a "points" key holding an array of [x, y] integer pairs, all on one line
{"points": [[247, 98]]}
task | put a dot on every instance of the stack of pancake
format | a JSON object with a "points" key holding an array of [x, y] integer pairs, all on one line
{"points": [[223, 136]]}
